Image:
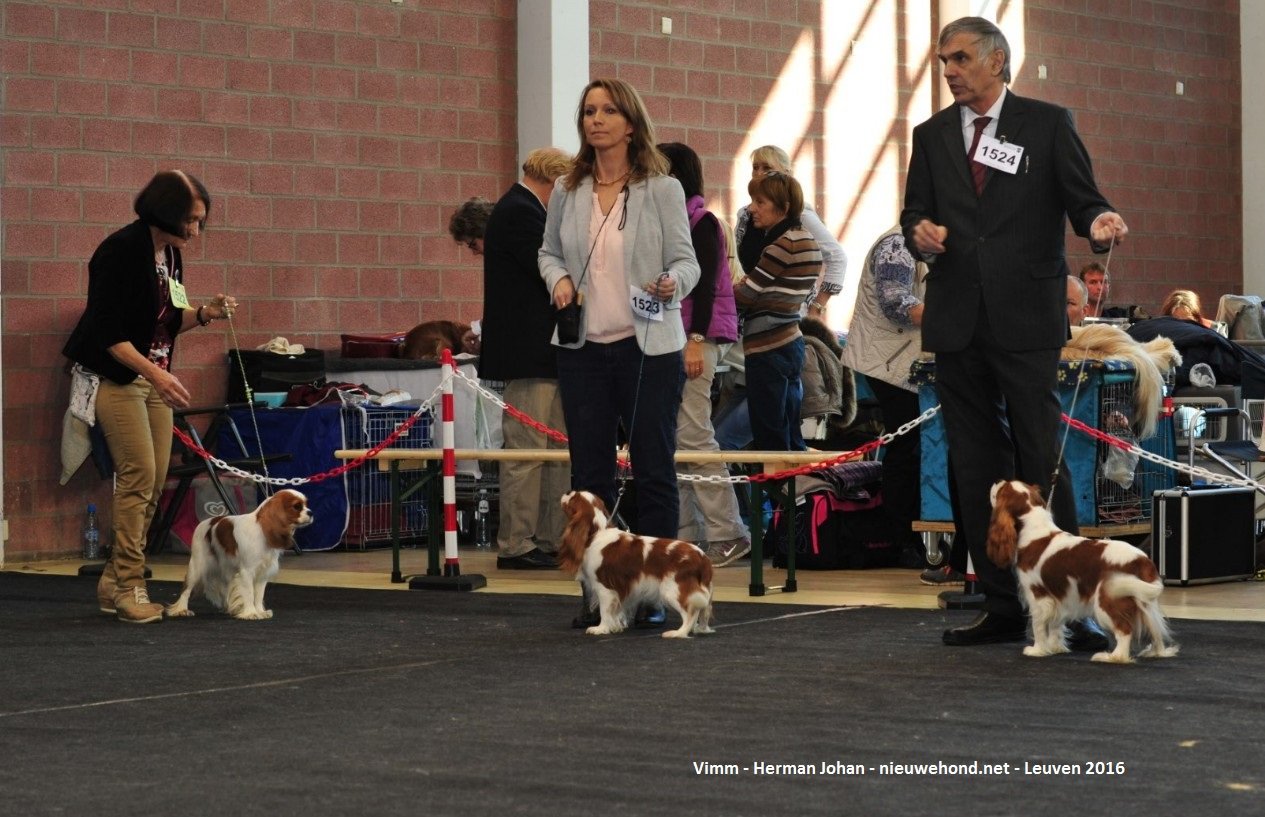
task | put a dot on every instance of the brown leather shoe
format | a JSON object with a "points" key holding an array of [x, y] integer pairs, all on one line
{"points": [[106, 588], [132, 605]]}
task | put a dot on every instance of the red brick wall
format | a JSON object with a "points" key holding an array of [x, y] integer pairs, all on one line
{"points": [[337, 135], [1171, 164]]}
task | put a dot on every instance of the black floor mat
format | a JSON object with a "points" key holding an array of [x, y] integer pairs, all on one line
{"points": [[425, 703]]}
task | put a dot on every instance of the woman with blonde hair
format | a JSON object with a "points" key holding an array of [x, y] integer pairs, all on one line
{"points": [[617, 242], [1185, 305]]}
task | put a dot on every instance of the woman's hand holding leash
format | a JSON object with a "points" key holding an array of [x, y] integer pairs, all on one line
{"points": [[663, 288]]}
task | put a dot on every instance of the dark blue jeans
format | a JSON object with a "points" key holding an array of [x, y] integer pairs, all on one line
{"points": [[774, 397], [604, 383]]}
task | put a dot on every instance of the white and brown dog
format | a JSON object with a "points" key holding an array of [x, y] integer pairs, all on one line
{"points": [[1065, 578], [232, 558], [622, 570]]}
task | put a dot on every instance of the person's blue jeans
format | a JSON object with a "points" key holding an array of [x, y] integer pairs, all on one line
{"points": [[732, 424], [774, 397], [604, 383]]}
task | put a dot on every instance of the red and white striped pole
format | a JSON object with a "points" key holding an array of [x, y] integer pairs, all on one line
{"points": [[448, 438], [452, 578]]}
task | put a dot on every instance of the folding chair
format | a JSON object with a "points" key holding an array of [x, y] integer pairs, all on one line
{"points": [[1236, 456]]}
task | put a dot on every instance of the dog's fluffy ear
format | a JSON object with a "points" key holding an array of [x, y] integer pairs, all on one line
{"points": [[580, 510], [1003, 536]]}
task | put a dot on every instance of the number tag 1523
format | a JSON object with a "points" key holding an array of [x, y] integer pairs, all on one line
{"points": [[645, 306]]}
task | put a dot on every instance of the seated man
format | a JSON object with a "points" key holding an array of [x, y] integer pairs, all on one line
{"points": [[1094, 276], [1078, 295]]}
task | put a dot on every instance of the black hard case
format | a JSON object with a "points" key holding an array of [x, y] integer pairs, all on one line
{"points": [[1204, 535]]}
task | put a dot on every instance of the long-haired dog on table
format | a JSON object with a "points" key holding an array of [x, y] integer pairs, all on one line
{"points": [[231, 558], [1065, 577], [622, 570]]}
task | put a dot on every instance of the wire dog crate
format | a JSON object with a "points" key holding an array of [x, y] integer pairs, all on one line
{"points": [[1123, 488], [368, 489]]}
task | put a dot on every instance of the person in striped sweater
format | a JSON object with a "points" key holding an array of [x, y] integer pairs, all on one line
{"points": [[769, 298]]}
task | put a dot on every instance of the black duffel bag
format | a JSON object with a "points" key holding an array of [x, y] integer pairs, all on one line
{"points": [[272, 372]]}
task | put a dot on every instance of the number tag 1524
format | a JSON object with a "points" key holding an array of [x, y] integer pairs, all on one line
{"points": [[1003, 156]]}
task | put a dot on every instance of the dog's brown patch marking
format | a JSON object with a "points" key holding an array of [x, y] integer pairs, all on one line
{"points": [[622, 564], [222, 530], [1123, 611], [1032, 552]]}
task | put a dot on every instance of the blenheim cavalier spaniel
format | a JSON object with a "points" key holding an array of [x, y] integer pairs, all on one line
{"points": [[622, 570], [1065, 578], [232, 557]]}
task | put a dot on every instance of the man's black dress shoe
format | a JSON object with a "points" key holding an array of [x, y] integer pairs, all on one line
{"points": [[988, 628], [534, 559], [1086, 636]]}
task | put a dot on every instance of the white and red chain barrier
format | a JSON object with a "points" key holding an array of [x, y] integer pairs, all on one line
{"points": [[451, 373]]}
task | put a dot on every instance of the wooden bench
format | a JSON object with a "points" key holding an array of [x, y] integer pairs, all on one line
{"points": [[780, 491]]}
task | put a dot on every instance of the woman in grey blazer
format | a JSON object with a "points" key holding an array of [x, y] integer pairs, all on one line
{"points": [[617, 239]]}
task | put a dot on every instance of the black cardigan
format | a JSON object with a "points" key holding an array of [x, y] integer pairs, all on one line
{"points": [[122, 303]]}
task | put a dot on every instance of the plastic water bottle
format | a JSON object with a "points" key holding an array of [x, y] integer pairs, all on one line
{"points": [[91, 535], [481, 511]]}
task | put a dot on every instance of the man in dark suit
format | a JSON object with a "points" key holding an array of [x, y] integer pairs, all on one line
{"points": [[518, 323], [986, 206]]}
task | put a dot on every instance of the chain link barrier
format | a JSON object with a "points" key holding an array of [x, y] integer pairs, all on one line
{"points": [[337, 471], [828, 459]]}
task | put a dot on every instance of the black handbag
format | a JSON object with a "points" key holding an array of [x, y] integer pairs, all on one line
{"points": [[569, 320], [568, 317]]}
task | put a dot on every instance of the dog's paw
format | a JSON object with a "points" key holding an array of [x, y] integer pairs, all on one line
{"points": [[266, 614], [1152, 651], [1036, 652], [703, 630], [1111, 658], [179, 612], [251, 615], [674, 634], [598, 630]]}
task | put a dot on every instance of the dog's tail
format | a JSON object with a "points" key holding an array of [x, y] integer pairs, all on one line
{"points": [[1125, 585]]}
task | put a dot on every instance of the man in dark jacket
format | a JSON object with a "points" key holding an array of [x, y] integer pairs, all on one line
{"points": [[992, 181], [518, 323]]}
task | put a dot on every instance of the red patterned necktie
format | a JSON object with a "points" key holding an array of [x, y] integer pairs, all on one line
{"points": [[978, 170]]}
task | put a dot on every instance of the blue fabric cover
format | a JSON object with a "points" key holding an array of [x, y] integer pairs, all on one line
{"points": [[1080, 454], [310, 435]]}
